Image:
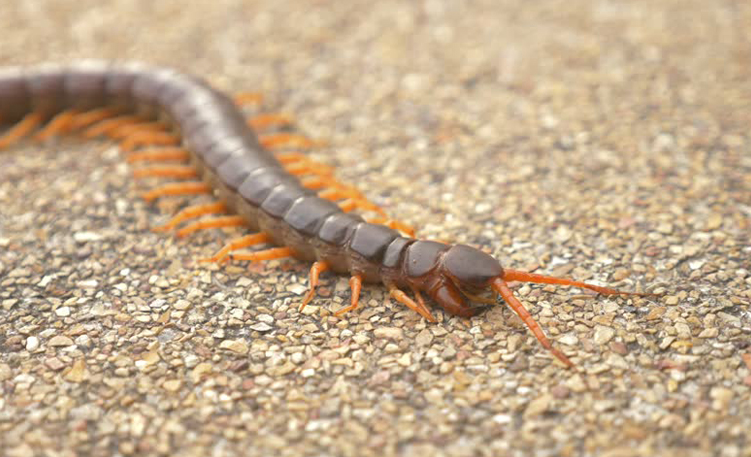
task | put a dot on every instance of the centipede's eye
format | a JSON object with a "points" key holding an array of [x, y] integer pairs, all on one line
{"points": [[471, 267]]}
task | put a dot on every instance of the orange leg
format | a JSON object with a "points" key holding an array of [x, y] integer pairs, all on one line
{"points": [[105, 127], [214, 222], [149, 138], [87, 118], [174, 171], [248, 98], [158, 154], [238, 243], [316, 182], [122, 132], [394, 224], [290, 157], [59, 124], [191, 212], [404, 299], [309, 167], [263, 121], [21, 129], [352, 203], [501, 287], [322, 182], [338, 191], [340, 194], [177, 188], [348, 205], [523, 276], [285, 140], [355, 285], [268, 254], [420, 301], [315, 271]]}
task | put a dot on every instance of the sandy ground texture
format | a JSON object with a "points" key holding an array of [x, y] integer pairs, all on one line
{"points": [[603, 140]]}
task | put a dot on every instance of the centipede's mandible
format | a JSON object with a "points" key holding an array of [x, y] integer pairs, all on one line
{"points": [[293, 206]]}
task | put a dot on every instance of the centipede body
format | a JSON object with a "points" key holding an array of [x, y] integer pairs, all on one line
{"points": [[228, 159]]}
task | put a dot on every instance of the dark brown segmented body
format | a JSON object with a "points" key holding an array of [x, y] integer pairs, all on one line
{"points": [[227, 153], [254, 184]]}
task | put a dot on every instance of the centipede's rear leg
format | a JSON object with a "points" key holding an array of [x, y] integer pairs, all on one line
{"points": [[91, 117], [264, 121], [59, 124], [23, 128], [248, 98], [192, 212], [237, 244], [164, 154], [268, 254], [123, 133], [74, 119], [107, 126], [170, 171], [177, 189], [149, 137], [213, 222]]}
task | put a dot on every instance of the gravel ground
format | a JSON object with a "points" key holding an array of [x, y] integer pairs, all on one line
{"points": [[603, 140]]}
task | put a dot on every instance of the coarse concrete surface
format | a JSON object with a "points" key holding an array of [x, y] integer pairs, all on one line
{"points": [[607, 141]]}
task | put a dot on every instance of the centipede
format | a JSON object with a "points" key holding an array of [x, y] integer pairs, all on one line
{"points": [[175, 125]]}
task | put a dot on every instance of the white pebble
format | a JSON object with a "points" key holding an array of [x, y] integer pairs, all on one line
{"points": [[32, 343], [63, 311]]}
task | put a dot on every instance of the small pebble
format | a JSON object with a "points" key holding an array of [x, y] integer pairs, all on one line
{"points": [[393, 333], [237, 346], [261, 327], [60, 341], [63, 311], [32, 343], [172, 385], [603, 334], [77, 373]]}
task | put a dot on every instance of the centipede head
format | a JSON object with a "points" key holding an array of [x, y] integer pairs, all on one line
{"points": [[470, 268], [466, 271], [463, 272]]}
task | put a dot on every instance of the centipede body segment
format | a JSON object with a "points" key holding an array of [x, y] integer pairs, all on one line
{"points": [[283, 198]]}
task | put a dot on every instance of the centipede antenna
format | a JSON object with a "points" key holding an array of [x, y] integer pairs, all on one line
{"points": [[502, 288], [523, 276]]}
